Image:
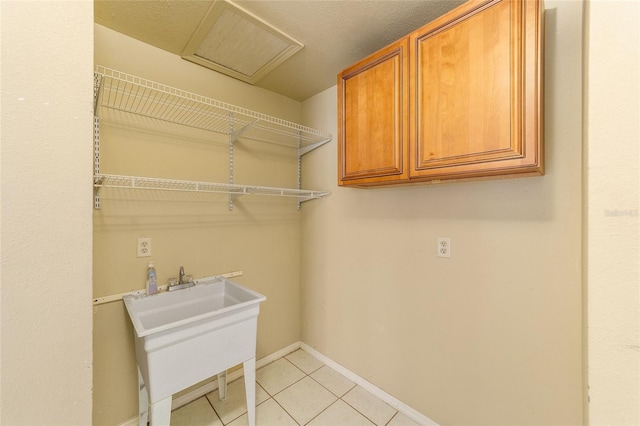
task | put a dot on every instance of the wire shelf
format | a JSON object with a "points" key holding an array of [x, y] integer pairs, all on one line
{"points": [[118, 91], [132, 94], [149, 183]]}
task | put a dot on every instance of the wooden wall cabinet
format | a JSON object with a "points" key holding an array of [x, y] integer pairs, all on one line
{"points": [[474, 108], [373, 128]]}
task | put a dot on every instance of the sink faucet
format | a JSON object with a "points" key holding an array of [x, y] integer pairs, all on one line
{"points": [[182, 283]]}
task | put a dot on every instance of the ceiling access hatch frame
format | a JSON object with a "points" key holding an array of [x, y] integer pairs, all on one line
{"points": [[233, 41]]}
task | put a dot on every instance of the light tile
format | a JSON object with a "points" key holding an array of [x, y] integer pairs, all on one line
{"points": [[332, 380], [366, 403], [304, 361], [269, 413], [236, 403], [340, 413], [278, 375], [305, 399], [298, 400], [402, 420], [196, 413]]}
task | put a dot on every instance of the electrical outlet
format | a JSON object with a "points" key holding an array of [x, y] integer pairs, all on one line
{"points": [[444, 247], [144, 247]]}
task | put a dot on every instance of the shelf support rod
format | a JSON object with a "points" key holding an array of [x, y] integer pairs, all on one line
{"points": [[232, 139], [96, 160], [97, 92], [299, 166], [97, 79]]}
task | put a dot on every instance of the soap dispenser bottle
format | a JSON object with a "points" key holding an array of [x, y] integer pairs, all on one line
{"points": [[152, 287]]}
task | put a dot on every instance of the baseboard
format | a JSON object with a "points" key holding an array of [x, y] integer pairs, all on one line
{"points": [[379, 393]]}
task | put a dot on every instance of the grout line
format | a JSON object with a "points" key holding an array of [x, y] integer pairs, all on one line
{"points": [[364, 415], [286, 387], [292, 363], [285, 410], [392, 417], [214, 409], [322, 411]]}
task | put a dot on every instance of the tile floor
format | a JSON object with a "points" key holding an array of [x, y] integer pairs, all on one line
{"points": [[294, 390]]}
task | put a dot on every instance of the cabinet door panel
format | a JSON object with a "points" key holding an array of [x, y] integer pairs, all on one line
{"points": [[372, 118], [468, 71]]}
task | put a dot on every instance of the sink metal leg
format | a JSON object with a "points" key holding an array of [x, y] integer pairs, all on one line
{"points": [[222, 385], [250, 387], [143, 401], [161, 412]]}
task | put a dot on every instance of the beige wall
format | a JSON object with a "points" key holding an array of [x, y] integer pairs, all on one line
{"points": [[491, 336], [45, 182], [612, 229], [260, 237]]}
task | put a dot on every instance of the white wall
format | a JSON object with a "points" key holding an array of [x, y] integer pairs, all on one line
{"points": [[46, 190], [492, 335], [613, 226]]}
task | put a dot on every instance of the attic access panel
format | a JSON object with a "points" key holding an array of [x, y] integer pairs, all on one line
{"points": [[235, 42]]}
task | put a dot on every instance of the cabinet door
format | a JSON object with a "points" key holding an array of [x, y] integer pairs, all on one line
{"points": [[476, 94], [372, 117]]}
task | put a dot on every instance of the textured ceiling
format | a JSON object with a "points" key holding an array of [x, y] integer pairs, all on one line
{"points": [[335, 33]]}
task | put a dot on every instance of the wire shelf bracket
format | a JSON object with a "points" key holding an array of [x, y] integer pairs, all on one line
{"points": [[235, 135], [303, 150]]}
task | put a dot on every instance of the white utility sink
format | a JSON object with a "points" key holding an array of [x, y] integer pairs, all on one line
{"points": [[188, 335]]}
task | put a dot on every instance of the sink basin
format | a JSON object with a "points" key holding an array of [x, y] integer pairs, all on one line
{"points": [[186, 336], [215, 297]]}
